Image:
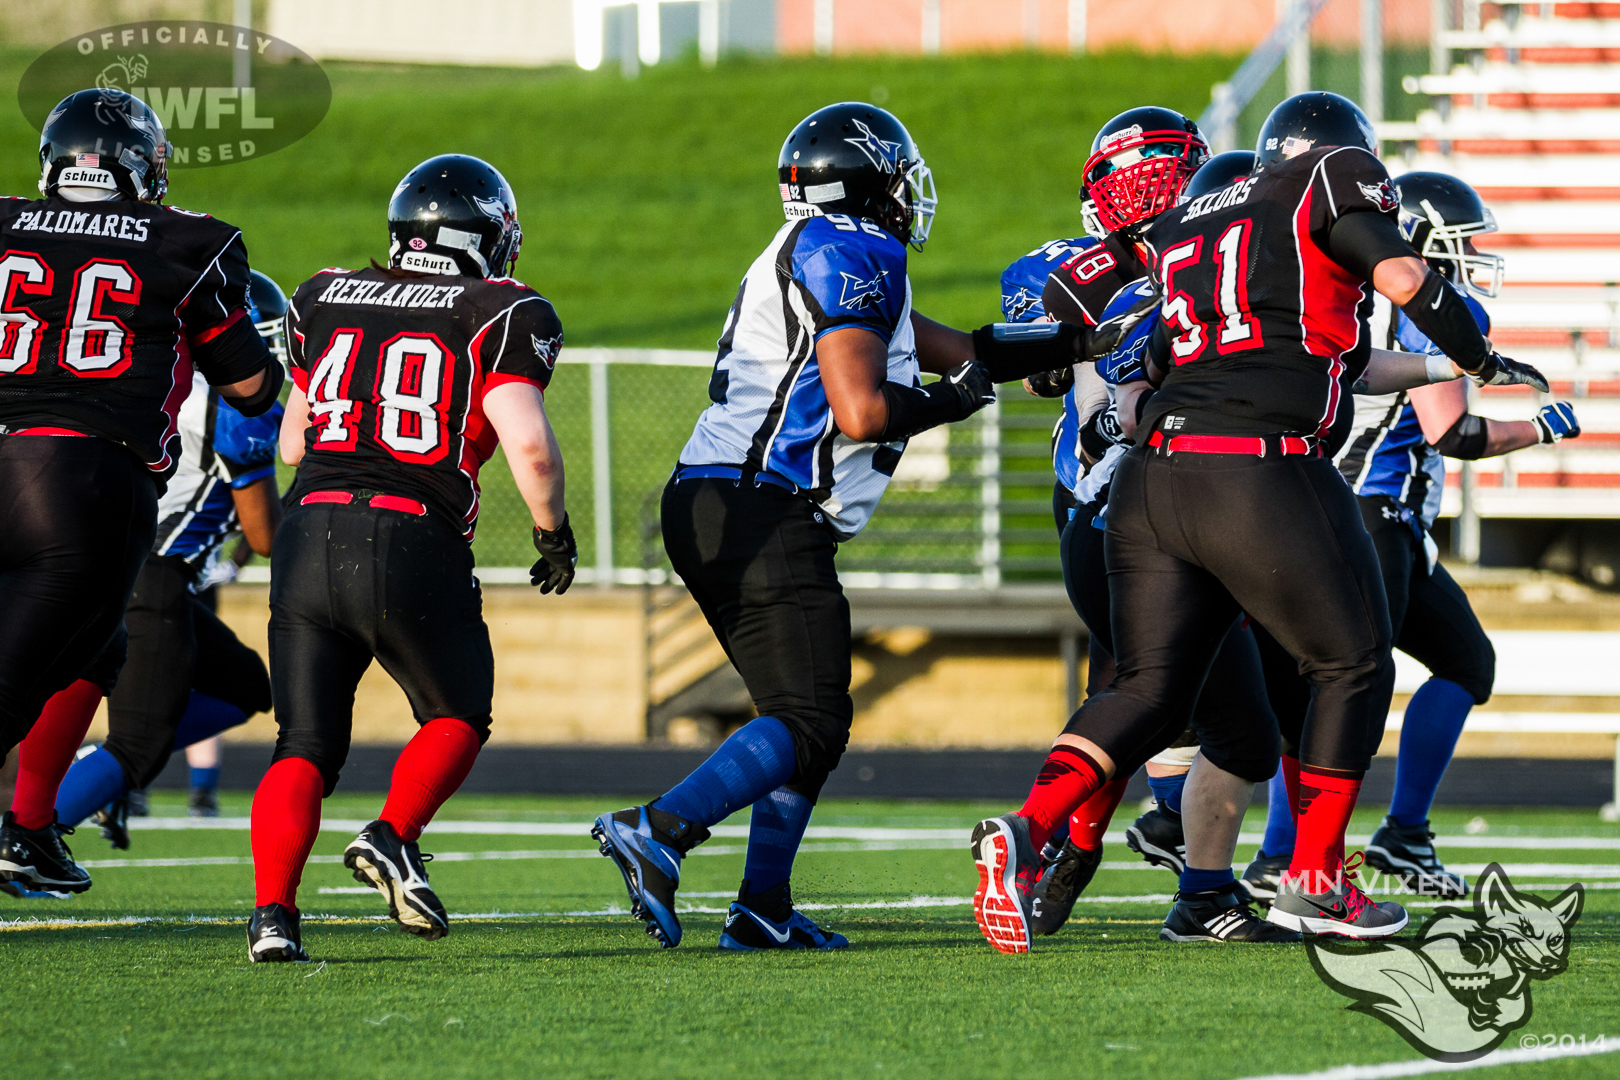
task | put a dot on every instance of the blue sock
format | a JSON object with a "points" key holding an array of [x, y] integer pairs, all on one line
{"points": [[778, 825], [1434, 718], [1167, 790], [205, 717], [94, 781], [1203, 880], [1279, 838], [755, 761], [205, 778]]}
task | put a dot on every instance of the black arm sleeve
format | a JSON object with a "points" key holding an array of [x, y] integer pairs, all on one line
{"points": [[1464, 440], [1445, 319], [1359, 242], [235, 353], [915, 409], [258, 403], [1013, 351]]}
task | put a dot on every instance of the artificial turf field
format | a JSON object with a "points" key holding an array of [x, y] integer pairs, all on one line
{"points": [[147, 975]]}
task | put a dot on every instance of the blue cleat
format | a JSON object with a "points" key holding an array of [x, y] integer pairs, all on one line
{"points": [[648, 844], [767, 920]]}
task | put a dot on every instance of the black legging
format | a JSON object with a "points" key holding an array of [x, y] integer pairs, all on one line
{"points": [[1432, 619], [1195, 539], [76, 522], [176, 644], [1232, 723]]}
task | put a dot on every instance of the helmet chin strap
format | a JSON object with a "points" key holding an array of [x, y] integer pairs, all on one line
{"points": [[79, 193]]}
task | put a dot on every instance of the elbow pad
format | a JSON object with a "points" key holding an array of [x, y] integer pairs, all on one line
{"points": [[1013, 351], [1440, 312], [258, 403], [1464, 440], [229, 352], [963, 391]]}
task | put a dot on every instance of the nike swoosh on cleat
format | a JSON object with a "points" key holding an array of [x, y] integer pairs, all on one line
{"points": [[781, 938]]}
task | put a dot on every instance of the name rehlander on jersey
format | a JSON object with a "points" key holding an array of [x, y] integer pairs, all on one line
{"points": [[84, 223], [1220, 200], [362, 291]]}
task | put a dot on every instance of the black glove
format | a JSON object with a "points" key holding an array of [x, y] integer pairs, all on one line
{"points": [[1100, 432], [1051, 384], [1498, 370], [1556, 421], [963, 391], [558, 557]]}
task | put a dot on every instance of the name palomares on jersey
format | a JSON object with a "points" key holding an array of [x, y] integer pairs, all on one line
{"points": [[362, 291], [121, 226]]}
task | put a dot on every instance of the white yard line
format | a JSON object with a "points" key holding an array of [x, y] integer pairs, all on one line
{"points": [[1423, 1067], [843, 832]]}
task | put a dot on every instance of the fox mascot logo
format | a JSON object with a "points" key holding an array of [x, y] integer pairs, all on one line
{"points": [[1457, 991]]}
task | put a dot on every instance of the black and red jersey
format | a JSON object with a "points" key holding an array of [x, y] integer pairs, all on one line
{"points": [[100, 304], [395, 366], [1079, 289], [1268, 332]]}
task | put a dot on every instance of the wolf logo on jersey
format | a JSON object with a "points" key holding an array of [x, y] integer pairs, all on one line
{"points": [[770, 411]]}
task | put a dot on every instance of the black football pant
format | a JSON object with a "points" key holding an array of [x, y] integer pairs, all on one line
{"points": [[175, 644], [1195, 539], [1233, 723], [759, 562], [1432, 620], [353, 583], [77, 517]]}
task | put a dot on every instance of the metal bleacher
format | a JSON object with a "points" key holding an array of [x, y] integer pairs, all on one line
{"points": [[1529, 114]]}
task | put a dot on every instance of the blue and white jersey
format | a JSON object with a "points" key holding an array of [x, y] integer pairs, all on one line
{"points": [[221, 451], [1126, 364], [1386, 453], [770, 409], [1022, 285]]}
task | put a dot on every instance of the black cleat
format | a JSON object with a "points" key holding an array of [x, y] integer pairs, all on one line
{"points": [[647, 844], [393, 867], [1264, 876], [767, 920], [1408, 853], [113, 820], [1221, 915], [1157, 837], [37, 859], [1060, 885], [204, 802], [273, 936]]}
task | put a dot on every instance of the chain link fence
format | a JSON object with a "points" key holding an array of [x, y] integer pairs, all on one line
{"points": [[970, 506]]}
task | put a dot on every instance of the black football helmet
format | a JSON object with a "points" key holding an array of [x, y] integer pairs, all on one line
{"points": [[454, 214], [1218, 172], [857, 159], [1438, 215], [1311, 120], [267, 307], [1140, 160], [105, 139]]}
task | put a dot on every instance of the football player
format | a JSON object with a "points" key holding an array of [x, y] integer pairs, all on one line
{"points": [[407, 376], [111, 302], [816, 388], [1266, 287], [187, 677], [1394, 461]]}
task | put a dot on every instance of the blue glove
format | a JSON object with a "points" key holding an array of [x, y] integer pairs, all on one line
{"points": [[1556, 421]]}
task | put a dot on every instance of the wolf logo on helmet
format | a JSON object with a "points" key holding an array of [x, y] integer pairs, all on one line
{"points": [[880, 152]]}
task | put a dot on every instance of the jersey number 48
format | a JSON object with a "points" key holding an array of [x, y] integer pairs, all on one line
{"points": [[410, 395]]}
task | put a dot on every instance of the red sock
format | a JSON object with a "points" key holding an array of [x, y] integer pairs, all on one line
{"points": [[1068, 779], [429, 770], [1290, 771], [286, 819], [1325, 802], [1087, 824], [45, 756]]}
